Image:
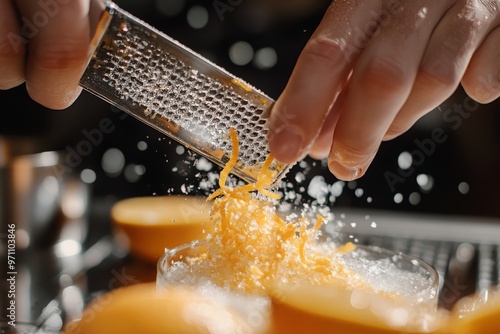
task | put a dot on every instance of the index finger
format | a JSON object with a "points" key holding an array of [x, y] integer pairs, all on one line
{"points": [[12, 47], [319, 75], [380, 85], [59, 37]]}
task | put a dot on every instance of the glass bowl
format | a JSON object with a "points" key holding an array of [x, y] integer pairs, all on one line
{"points": [[385, 270], [395, 272], [254, 310], [388, 272]]}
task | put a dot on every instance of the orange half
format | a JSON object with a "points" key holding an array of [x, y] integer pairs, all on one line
{"points": [[151, 224], [326, 309]]}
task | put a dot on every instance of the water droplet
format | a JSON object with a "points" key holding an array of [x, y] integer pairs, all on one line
{"points": [[142, 145], [241, 53], [398, 198], [180, 150], [113, 161], [265, 58], [414, 198], [88, 176], [463, 187], [426, 182], [405, 160], [197, 17]]}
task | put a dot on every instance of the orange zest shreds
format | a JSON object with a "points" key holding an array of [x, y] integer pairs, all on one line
{"points": [[232, 161], [346, 248], [252, 248], [319, 223], [224, 174], [264, 178], [302, 244]]}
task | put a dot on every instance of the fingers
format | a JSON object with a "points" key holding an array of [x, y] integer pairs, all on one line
{"points": [[59, 35], [12, 47], [380, 84], [317, 78], [410, 59], [482, 78], [449, 50]]}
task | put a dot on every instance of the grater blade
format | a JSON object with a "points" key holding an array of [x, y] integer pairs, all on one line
{"points": [[169, 87]]}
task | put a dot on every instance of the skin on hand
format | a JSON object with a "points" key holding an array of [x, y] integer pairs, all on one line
{"points": [[45, 44], [373, 68]]}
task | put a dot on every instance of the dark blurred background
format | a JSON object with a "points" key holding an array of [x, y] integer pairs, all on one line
{"points": [[260, 41], [446, 165]]}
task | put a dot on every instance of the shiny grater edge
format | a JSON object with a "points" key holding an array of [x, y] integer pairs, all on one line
{"points": [[154, 78]]}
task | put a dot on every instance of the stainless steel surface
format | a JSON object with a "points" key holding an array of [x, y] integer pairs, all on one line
{"points": [[43, 200], [70, 301], [53, 287], [178, 92], [48, 206]]}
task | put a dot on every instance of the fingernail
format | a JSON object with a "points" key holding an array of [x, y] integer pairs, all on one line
{"points": [[348, 170], [343, 172], [287, 144], [483, 94]]}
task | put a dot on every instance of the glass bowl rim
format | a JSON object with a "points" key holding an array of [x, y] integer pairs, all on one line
{"points": [[415, 261]]}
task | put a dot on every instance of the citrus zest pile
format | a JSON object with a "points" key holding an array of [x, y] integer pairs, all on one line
{"points": [[252, 249]]}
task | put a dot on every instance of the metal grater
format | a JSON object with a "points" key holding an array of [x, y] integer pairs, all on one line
{"points": [[178, 92]]}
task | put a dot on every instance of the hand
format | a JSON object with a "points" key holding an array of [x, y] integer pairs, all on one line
{"points": [[45, 44], [373, 68]]}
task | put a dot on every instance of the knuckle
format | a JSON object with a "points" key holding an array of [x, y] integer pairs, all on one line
{"points": [[9, 51], [439, 75], [489, 7], [325, 49], [11, 67], [61, 56], [383, 78]]}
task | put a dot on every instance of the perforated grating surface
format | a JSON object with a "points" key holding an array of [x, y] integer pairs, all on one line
{"points": [[171, 88]]}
